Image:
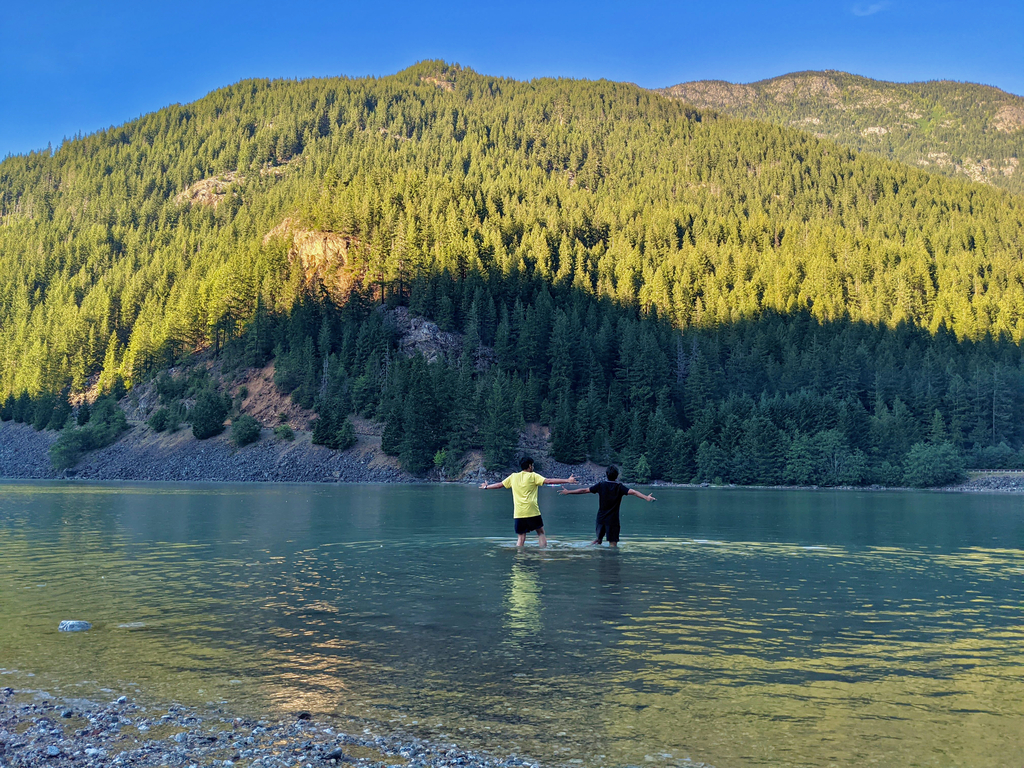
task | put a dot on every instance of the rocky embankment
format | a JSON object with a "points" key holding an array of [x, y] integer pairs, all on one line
{"points": [[142, 454], [146, 455], [37, 730], [1009, 482], [24, 453]]}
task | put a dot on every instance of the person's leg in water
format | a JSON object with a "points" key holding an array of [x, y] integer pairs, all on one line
{"points": [[613, 533], [542, 540], [521, 540]]}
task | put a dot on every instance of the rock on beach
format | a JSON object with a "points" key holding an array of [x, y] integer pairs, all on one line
{"points": [[73, 625]]}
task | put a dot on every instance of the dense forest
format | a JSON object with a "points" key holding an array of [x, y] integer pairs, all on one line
{"points": [[692, 295], [964, 130]]}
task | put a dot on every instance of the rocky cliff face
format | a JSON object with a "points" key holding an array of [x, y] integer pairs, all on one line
{"points": [[421, 336], [325, 257]]}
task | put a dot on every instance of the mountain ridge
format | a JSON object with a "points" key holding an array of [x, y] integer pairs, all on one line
{"points": [[969, 130]]}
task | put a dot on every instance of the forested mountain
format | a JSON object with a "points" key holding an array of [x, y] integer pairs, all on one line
{"points": [[958, 129], [719, 298]]}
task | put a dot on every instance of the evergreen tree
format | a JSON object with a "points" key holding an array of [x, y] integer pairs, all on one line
{"points": [[658, 446], [711, 463], [501, 426], [207, 415], [641, 470], [684, 465], [422, 424], [803, 461], [938, 434]]}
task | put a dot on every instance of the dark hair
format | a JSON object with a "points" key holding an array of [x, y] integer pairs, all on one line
{"points": [[612, 472], [525, 463]]}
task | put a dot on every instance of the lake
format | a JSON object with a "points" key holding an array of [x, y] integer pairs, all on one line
{"points": [[733, 626]]}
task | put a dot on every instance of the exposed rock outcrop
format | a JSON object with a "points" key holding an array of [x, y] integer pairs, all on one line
{"points": [[208, 191], [324, 256]]}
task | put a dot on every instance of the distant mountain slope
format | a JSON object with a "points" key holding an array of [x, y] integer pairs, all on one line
{"points": [[685, 293], [124, 249], [959, 129]]}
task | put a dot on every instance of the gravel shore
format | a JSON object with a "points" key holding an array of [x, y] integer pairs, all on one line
{"points": [[38, 730]]}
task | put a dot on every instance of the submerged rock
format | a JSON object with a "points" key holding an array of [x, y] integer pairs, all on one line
{"points": [[73, 626]]}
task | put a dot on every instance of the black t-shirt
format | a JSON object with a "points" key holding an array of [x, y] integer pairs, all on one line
{"points": [[610, 494]]}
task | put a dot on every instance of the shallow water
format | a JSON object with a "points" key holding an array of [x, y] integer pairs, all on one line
{"points": [[737, 627]]}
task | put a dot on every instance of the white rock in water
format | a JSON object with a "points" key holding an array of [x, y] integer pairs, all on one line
{"points": [[73, 626]]}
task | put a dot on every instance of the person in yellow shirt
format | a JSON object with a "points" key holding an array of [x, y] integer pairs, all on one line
{"points": [[524, 487]]}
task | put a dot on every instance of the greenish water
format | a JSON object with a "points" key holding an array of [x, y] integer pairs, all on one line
{"points": [[739, 627]]}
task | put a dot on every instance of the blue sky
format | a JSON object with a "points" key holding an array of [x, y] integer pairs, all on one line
{"points": [[67, 67]]}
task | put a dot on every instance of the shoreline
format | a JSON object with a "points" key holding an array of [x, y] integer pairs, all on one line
{"points": [[142, 455], [39, 729]]}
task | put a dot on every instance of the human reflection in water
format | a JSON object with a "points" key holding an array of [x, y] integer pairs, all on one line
{"points": [[611, 596], [523, 599]]}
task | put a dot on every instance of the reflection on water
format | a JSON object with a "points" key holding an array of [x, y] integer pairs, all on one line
{"points": [[735, 627], [523, 600]]}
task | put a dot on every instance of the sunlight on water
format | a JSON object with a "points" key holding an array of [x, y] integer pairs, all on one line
{"points": [[738, 628]]}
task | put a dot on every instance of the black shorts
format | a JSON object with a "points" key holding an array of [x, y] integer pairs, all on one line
{"points": [[608, 529], [528, 524]]}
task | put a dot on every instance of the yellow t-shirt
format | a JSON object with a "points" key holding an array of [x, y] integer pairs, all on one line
{"points": [[524, 487]]}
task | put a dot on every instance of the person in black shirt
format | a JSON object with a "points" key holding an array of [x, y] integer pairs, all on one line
{"points": [[609, 493]]}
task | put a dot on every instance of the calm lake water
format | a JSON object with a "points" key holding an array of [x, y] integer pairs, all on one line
{"points": [[737, 627]]}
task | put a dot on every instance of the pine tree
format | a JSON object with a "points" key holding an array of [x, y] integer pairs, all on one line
{"points": [[803, 462], [641, 470], [7, 410], [502, 424], [566, 442], [711, 463], [938, 434], [658, 446], [504, 346], [422, 422], [684, 465]]}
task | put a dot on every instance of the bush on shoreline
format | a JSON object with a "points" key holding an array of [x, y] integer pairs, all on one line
{"points": [[930, 466], [245, 430], [208, 414], [107, 422]]}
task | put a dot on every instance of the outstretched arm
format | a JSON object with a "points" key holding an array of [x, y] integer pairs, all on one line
{"points": [[491, 486], [567, 492], [557, 481], [640, 495]]}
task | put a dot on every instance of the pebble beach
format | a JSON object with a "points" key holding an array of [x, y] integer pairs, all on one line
{"points": [[37, 729]]}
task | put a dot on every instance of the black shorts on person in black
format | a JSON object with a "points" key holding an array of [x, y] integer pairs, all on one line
{"points": [[608, 528], [528, 524]]}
